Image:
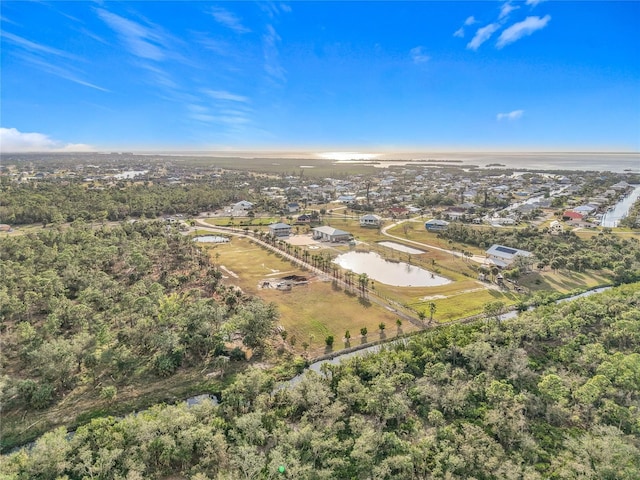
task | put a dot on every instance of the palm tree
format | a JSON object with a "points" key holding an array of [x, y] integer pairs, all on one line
{"points": [[432, 310], [363, 280], [422, 315]]}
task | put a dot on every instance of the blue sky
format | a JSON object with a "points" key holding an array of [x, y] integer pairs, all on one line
{"points": [[369, 76]]}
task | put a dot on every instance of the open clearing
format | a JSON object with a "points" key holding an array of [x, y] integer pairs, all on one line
{"points": [[308, 312], [312, 312]]}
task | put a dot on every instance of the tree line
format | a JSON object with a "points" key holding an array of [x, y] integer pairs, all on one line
{"points": [[566, 251], [57, 201], [110, 307], [552, 394]]}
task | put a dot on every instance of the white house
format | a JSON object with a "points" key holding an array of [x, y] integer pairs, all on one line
{"points": [[370, 220], [243, 205], [280, 229], [503, 257], [556, 228], [330, 234]]}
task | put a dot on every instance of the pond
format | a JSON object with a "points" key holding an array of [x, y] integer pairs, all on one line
{"points": [[398, 274], [211, 239], [401, 248]]}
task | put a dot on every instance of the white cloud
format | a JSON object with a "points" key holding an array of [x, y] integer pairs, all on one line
{"points": [[224, 95], [418, 56], [522, 29], [533, 3], [514, 115], [470, 21], [459, 33], [229, 20], [272, 55], [506, 9], [142, 41], [14, 141], [274, 9], [482, 35], [59, 71], [35, 47]]}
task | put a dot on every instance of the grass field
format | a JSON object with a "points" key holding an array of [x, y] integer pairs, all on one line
{"points": [[308, 312], [312, 312]]}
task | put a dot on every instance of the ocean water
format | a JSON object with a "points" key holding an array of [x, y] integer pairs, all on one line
{"points": [[600, 161]]}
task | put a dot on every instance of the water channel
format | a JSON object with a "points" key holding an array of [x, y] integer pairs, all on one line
{"points": [[620, 209]]}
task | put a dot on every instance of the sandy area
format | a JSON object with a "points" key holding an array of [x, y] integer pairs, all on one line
{"points": [[301, 240]]}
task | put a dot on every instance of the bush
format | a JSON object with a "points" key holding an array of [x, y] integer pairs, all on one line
{"points": [[237, 354], [37, 396]]}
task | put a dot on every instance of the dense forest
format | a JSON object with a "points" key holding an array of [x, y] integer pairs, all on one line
{"points": [[103, 308], [554, 393], [58, 202], [566, 251]]}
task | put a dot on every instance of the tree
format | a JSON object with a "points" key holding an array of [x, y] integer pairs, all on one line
{"points": [[363, 280], [347, 336], [329, 341], [381, 327], [432, 311], [363, 331], [493, 310]]}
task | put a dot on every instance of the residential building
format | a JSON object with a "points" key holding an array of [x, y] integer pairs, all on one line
{"points": [[503, 257], [280, 229], [330, 234], [571, 215], [435, 225], [370, 220], [556, 228]]}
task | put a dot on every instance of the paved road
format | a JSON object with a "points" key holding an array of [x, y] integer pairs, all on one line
{"points": [[475, 258]]}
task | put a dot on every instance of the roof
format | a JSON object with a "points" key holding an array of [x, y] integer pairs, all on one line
{"points": [[573, 215], [370, 216], [330, 231], [507, 253], [279, 225], [435, 221]]}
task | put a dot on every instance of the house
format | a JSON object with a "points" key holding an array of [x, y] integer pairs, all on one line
{"points": [[584, 209], [293, 207], [503, 257], [556, 228], [243, 205], [330, 234], [280, 229], [435, 225], [370, 220], [571, 215], [347, 198], [304, 218]]}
